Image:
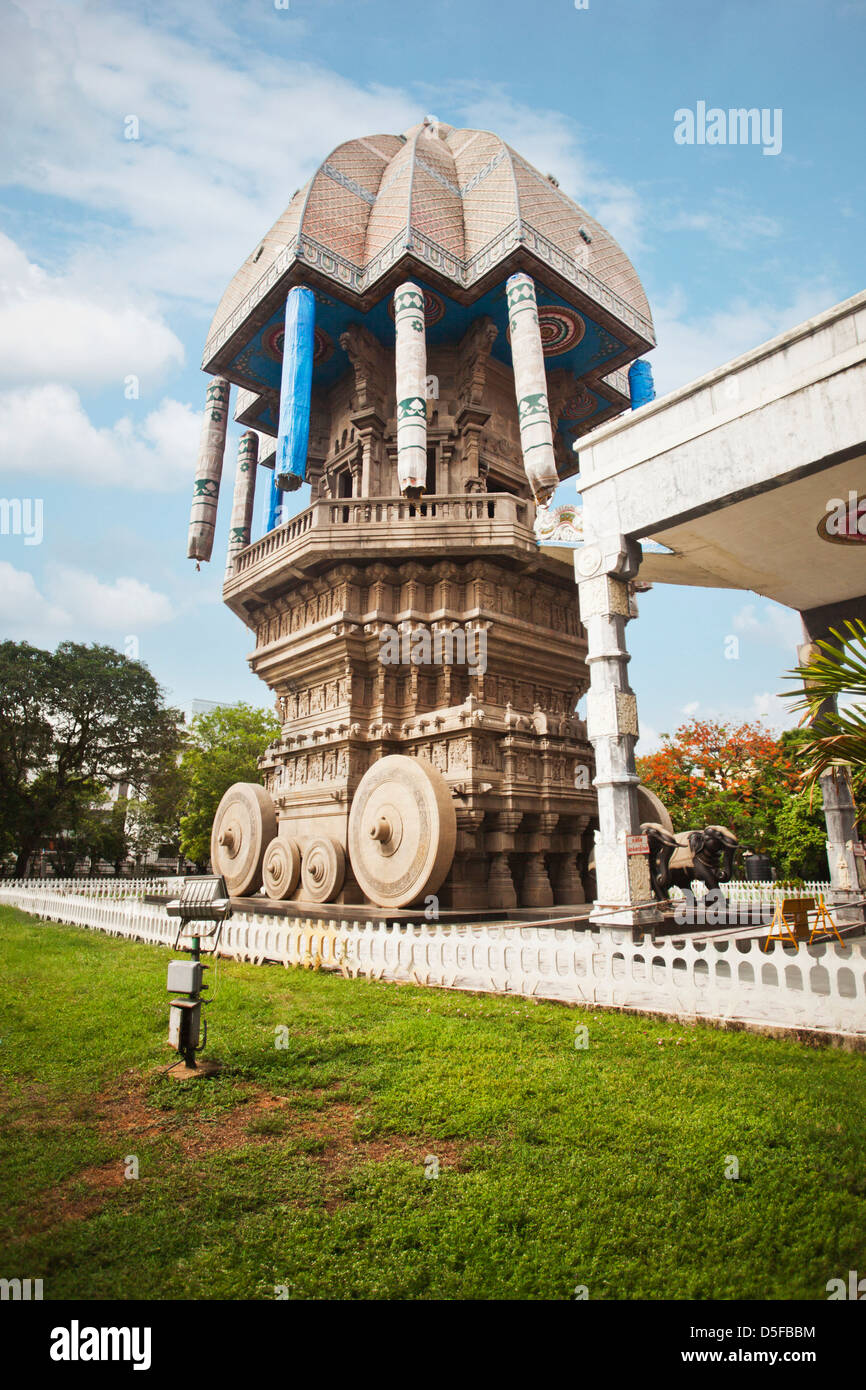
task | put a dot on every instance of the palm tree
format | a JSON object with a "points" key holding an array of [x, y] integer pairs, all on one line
{"points": [[837, 737]]}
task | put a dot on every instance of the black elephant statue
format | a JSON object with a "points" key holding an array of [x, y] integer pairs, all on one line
{"points": [[676, 860]]}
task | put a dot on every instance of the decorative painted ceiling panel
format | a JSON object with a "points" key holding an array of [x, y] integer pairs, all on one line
{"points": [[571, 340]]}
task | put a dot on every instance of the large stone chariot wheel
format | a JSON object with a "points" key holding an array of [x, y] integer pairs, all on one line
{"points": [[323, 869], [243, 827], [402, 831], [281, 869]]}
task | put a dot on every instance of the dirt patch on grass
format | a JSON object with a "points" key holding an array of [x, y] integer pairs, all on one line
{"points": [[325, 1133], [77, 1198]]}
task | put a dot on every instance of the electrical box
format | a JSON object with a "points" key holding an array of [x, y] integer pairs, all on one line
{"points": [[184, 1024], [184, 977]]}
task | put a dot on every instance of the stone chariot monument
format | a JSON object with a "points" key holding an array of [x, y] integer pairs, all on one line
{"points": [[420, 339]]}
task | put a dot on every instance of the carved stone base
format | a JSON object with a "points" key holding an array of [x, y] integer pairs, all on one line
{"points": [[500, 885], [536, 890], [567, 885], [466, 885]]}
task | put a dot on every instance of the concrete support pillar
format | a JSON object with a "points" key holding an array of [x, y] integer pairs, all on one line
{"points": [[411, 368], [603, 568], [209, 469], [847, 868], [244, 498], [530, 385]]}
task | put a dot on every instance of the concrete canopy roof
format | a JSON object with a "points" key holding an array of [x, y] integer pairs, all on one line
{"points": [[737, 472], [458, 207]]}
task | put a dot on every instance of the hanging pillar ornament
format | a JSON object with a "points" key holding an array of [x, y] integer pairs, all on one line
{"points": [[206, 490], [293, 435], [245, 492], [411, 364], [530, 385]]}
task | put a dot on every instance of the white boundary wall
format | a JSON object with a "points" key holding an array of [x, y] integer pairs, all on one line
{"points": [[819, 988]]}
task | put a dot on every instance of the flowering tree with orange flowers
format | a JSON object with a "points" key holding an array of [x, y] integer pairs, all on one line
{"points": [[746, 778]]}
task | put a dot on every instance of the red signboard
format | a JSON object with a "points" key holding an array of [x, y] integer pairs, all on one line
{"points": [[637, 844]]}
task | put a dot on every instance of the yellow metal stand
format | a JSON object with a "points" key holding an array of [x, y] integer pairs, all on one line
{"points": [[824, 923], [785, 932]]}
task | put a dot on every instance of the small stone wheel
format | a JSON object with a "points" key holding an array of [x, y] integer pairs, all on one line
{"points": [[243, 827], [281, 869], [402, 830], [323, 869]]}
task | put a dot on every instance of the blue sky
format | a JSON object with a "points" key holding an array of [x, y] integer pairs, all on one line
{"points": [[114, 253]]}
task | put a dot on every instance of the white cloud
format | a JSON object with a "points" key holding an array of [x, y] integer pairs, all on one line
{"points": [[774, 626], [555, 144], [50, 329], [691, 708], [75, 605], [649, 741], [24, 611], [45, 432], [691, 344], [728, 220], [226, 135], [127, 603], [772, 710]]}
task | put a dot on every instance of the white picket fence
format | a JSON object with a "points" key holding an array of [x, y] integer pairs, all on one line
{"points": [[758, 890], [97, 887], [819, 988]]}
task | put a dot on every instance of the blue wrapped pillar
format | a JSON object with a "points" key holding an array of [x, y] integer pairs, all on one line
{"points": [[640, 384], [296, 388], [274, 504]]}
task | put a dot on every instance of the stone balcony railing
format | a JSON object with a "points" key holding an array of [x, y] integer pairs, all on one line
{"points": [[445, 524]]}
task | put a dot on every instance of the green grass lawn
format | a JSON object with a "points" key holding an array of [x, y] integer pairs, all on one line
{"points": [[305, 1167]]}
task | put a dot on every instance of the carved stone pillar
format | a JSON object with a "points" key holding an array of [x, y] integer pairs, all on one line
{"points": [[566, 879], [471, 416], [244, 498], [500, 885], [411, 370], [536, 890], [372, 368], [603, 567], [499, 842], [530, 385], [206, 490]]}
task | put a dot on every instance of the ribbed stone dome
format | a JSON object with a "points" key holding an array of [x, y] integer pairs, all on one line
{"points": [[449, 205]]}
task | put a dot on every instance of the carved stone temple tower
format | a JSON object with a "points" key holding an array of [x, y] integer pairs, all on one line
{"points": [[420, 337]]}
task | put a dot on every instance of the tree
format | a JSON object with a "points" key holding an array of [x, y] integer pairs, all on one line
{"points": [[94, 830], [225, 746], [836, 737], [73, 723], [743, 777], [154, 818]]}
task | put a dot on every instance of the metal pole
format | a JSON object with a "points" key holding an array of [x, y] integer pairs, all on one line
{"points": [[195, 952]]}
